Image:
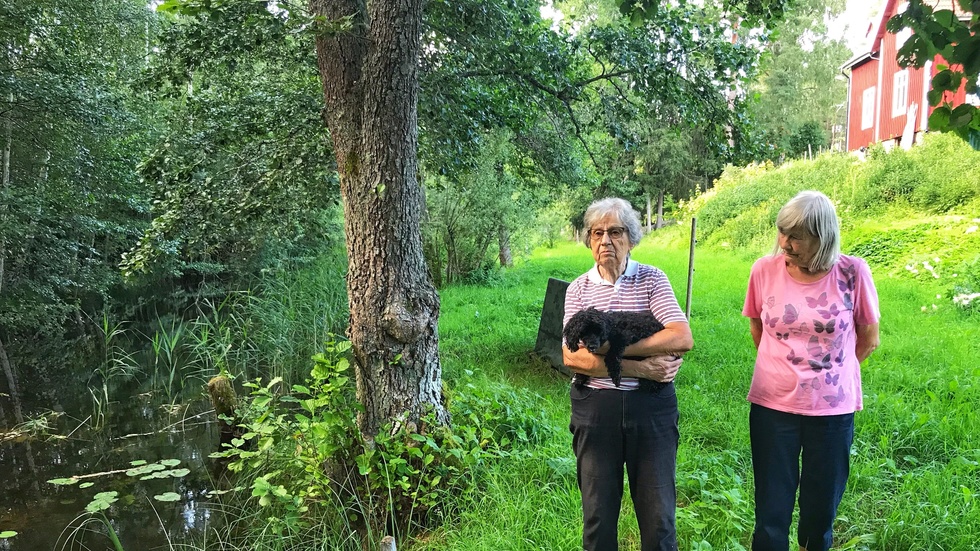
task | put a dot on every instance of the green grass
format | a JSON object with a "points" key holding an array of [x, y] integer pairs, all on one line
{"points": [[915, 476]]}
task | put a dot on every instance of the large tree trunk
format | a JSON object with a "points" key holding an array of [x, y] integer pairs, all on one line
{"points": [[370, 87]]}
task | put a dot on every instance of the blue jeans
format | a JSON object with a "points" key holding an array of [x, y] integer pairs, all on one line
{"points": [[777, 441], [638, 429]]}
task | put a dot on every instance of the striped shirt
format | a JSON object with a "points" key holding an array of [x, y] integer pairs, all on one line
{"points": [[640, 288]]}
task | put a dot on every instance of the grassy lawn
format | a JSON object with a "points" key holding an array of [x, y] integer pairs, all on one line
{"points": [[915, 481]]}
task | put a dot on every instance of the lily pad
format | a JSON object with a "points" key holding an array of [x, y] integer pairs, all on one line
{"points": [[86, 484], [63, 481], [138, 462], [7, 534], [145, 469], [170, 462], [169, 496], [102, 501]]}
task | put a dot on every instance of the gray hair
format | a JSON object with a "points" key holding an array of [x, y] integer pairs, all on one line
{"points": [[812, 212], [621, 209]]}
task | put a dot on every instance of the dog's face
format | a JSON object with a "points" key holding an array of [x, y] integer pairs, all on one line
{"points": [[589, 327], [594, 334]]}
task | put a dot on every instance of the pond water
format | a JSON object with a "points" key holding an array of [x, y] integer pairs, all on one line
{"points": [[137, 429]]}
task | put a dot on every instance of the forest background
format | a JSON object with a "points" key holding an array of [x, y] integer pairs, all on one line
{"points": [[170, 209]]}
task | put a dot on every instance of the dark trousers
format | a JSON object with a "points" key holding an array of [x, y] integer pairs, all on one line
{"points": [[777, 441], [638, 429]]}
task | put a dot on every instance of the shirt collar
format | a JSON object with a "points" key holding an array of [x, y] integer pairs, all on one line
{"points": [[631, 267]]}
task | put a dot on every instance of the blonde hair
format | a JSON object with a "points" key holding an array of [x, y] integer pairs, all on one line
{"points": [[813, 213]]}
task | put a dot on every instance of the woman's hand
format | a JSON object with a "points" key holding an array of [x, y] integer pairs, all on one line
{"points": [[661, 368]]}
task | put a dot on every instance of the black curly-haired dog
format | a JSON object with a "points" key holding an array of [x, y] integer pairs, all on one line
{"points": [[594, 327]]}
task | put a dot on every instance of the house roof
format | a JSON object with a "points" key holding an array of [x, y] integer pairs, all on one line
{"points": [[880, 28]]}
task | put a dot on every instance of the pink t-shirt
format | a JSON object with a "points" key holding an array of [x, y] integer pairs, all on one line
{"points": [[806, 363]]}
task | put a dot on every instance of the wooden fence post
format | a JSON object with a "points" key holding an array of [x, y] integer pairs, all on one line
{"points": [[690, 268]]}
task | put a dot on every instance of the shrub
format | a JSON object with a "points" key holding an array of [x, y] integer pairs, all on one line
{"points": [[311, 467]]}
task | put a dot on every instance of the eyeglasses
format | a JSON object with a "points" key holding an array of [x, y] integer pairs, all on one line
{"points": [[614, 233]]}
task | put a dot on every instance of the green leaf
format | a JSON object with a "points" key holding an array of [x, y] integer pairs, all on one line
{"points": [[961, 116], [170, 462], [943, 80], [939, 119], [138, 462], [63, 481], [102, 501], [169, 496], [86, 485], [7, 534]]}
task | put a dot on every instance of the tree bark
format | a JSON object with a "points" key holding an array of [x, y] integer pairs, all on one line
{"points": [[649, 214], [8, 131], [503, 240], [368, 62], [660, 210]]}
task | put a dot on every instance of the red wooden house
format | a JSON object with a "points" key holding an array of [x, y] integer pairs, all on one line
{"points": [[884, 101]]}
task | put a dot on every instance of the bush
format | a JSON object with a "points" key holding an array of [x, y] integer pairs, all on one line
{"points": [[312, 472]]}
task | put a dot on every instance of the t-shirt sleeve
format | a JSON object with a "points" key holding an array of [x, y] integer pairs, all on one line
{"points": [[866, 311], [663, 302], [753, 303], [573, 301]]}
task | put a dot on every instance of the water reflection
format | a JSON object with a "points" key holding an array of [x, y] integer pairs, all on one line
{"points": [[46, 516]]}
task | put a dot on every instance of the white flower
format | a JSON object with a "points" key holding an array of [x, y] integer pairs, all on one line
{"points": [[971, 229], [923, 308], [934, 307], [954, 275], [965, 299], [936, 260], [939, 296]]}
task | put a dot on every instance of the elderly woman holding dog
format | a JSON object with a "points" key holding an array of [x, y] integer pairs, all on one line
{"points": [[634, 424], [814, 318]]}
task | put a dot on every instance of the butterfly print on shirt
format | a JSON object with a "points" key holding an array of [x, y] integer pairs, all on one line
{"points": [[829, 312], [770, 302], [820, 365], [811, 385], [820, 327], [831, 379], [770, 321], [782, 336], [840, 357], [813, 347], [834, 344], [819, 301], [790, 314], [834, 401], [803, 329], [793, 358], [848, 305]]}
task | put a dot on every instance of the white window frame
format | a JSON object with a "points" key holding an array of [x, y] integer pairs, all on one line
{"points": [[900, 93], [868, 108]]}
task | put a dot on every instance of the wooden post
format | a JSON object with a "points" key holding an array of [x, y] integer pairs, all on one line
{"points": [[690, 268], [388, 544]]}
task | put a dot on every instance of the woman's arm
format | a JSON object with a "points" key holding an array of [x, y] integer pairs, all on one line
{"points": [[675, 339], [867, 340], [755, 327], [584, 362]]}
